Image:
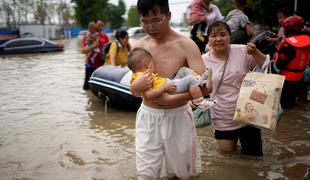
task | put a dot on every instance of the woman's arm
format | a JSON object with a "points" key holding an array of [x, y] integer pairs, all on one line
{"points": [[249, 30], [113, 53], [258, 56]]}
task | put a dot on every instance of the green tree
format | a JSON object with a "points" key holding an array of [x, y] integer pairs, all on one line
{"points": [[133, 16], [40, 15], [86, 11], [266, 11], [115, 14]]}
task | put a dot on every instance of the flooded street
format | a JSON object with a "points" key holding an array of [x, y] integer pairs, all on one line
{"points": [[51, 129]]}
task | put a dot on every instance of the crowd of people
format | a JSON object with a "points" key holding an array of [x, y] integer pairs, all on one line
{"points": [[165, 128], [93, 44]]}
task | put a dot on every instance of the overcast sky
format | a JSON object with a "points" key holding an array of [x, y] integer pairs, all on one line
{"points": [[177, 7]]}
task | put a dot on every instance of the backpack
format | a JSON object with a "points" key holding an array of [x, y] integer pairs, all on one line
{"points": [[106, 49]]}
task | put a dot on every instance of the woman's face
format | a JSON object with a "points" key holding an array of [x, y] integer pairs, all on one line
{"points": [[219, 39], [124, 41]]}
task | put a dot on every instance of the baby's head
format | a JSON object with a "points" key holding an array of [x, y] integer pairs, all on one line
{"points": [[92, 27], [283, 13], [248, 107], [140, 60]]}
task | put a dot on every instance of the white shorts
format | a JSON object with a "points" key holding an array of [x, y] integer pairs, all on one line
{"points": [[170, 135]]}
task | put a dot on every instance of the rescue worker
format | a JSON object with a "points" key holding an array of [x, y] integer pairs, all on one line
{"points": [[291, 60]]}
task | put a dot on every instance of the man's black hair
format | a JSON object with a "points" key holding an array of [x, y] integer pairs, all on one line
{"points": [[99, 19], [144, 6]]}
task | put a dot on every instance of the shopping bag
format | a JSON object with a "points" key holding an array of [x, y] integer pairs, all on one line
{"points": [[258, 102], [202, 118]]}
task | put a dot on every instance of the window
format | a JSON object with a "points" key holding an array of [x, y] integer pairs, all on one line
{"points": [[23, 43]]}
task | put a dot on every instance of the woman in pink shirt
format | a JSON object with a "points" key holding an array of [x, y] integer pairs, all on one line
{"points": [[240, 60]]}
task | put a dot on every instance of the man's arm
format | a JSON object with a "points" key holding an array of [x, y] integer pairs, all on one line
{"points": [[141, 83], [195, 62], [155, 92]]}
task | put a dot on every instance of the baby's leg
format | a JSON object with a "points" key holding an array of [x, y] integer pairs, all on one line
{"points": [[203, 104], [203, 26], [184, 71], [183, 84], [93, 57], [88, 56]]}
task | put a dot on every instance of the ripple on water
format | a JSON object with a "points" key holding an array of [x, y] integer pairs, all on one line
{"points": [[50, 129]]}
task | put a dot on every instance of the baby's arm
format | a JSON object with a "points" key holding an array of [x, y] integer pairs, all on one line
{"points": [[271, 39], [155, 92]]}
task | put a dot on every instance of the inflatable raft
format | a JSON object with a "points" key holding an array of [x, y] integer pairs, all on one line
{"points": [[111, 84]]}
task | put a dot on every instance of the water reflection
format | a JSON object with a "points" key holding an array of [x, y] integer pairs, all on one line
{"points": [[51, 129]]}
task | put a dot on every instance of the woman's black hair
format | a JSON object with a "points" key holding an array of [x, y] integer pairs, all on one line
{"points": [[218, 24], [145, 6], [121, 34]]}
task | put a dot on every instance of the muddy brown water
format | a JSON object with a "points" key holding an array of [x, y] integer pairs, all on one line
{"points": [[51, 129]]}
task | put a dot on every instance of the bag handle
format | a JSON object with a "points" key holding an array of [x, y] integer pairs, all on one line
{"points": [[218, 86], [266, 67]]}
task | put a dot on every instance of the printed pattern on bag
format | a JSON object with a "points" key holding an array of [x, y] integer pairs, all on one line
{"points": [[259, 95], [258, 102]]}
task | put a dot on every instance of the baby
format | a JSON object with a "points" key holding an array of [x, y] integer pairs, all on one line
{"points": [[140, 60], [252, 115], [197, 9], [90, 40], [250, 112]]}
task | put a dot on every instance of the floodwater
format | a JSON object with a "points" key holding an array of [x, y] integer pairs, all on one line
{"points": [[51, 129]]}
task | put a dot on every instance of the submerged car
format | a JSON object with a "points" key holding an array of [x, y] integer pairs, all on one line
{"points": [[29, 45]]}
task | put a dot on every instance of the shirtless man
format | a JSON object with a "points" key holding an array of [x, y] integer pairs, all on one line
{"points": [[165, 128]]}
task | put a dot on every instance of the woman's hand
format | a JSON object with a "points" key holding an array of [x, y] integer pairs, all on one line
{"points": [[258, 56], [251, 48]]}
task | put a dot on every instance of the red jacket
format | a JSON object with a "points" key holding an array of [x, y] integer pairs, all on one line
{"points": [[295, 64], [102, 41]]}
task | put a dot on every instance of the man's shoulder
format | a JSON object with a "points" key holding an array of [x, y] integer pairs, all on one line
{"points": [[103, 35], [141, 42]]}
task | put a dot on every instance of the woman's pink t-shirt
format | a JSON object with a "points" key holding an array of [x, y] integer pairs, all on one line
{"points": [[238, 64]]}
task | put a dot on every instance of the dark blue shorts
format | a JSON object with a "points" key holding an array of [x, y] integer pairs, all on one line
{"points": [[249, 136]]}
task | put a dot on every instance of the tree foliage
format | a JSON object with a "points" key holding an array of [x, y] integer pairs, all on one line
{"points": [[86, 11], [264, 11], [115, 14], [133, 17], [40, 15]]}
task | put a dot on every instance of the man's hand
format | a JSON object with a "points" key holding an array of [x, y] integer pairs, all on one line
{"points": [[142, 83], [170, 88]]}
